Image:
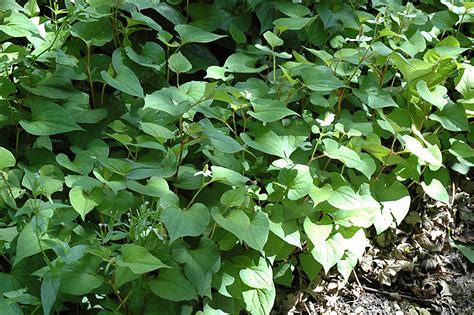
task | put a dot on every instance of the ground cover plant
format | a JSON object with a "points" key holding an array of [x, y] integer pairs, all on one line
{"points": [[190, 156]]}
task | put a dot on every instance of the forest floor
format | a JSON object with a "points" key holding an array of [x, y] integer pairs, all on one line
{"points": [[416, 268]]}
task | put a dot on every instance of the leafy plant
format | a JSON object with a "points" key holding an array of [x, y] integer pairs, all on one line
{"points": [[189, 156]]}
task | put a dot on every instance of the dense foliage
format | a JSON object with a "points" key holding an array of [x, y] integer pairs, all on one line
{"points": [[188, 156]]}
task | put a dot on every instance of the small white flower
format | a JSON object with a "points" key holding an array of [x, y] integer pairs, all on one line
{"points": [[205, 173], [328, 119], [359, 38], [248, 95]]}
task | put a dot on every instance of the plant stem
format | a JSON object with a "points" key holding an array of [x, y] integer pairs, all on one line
{"points": [[204, 185], [89, 74]]}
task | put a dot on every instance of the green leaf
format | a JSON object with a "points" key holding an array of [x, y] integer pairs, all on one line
{"points": [[8, 234], [309, 265], [462, 151], [10, 5], [375, 97], [258, 277], [294, 24], [452, 117], [139, 259], [289, 231], [81, 203], [219, 140], [234, 197], [94, 33], [436, 190], [82, 164], [355, 247], [124, 275], [435, 97], [217, 73], [172, 285], [444, 20], [272, 39], [48, 119], [242, 63], [190, 222], [259, 301], [157, 131], [430, 155], [435, 185], [466, 249], [124, 80], [273, 144], [297, 179], [320, 79], [227, 176], [49, 291], [345, 198], [6, 158], [81, 277], [152, 56], [155, 187], [329, 252], [253, 232], [193, 34], [28, 243], [178, 63], [32, 8], [318, 232], [169, 100], [200, 264], [268, 110], [350, 158], [395, 201], [320, 194], [465, 85], [18, 25], [293, 9]]}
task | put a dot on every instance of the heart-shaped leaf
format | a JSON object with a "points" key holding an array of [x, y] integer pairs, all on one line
{"points": [[81, 203], [6, 158], [180, 223], [253, 232], [435, 97]]}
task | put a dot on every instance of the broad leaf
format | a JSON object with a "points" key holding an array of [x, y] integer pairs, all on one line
{"points": [[269, 110], [219, 140], [178, 63], [49, 291], [253, 232], [125, 81], [48, 119], [273, 144], [298, 181], [6, 158], [193, 34], [435, 97], [227, 176], [172, 285], [80, 202], [350, 158], [190, 222], [329, 252], [94, 33], [320, 79], [200, 264], [139, 259], [452, 117]]}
